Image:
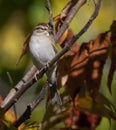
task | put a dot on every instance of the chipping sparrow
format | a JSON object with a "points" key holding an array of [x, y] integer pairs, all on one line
{"points": [[42, 50]]}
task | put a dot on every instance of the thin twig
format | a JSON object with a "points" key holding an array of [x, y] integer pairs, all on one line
{"points": [[26, 85], [11, 84], [54, 120], [58, 56], [26, 115], [11, 97], [75, 37], [28, 79], [10, 79], [50, 15], [69, 18]]}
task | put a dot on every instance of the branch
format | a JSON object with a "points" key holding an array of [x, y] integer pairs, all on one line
{"points": [[54, 120], [69, 18], [26, 115], [28, 79], [12, 97], [20, 89], [75, 37], [50, 15], [70, 43]]}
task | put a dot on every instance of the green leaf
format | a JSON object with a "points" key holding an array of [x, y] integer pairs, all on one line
{"points": [[58, 47], [8, 125], [103, 100], [32, 126], [101, 107]]}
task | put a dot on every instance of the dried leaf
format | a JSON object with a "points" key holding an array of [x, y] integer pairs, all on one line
{"points": [[64, 64], [100, 107], [61, 17], [113, 57], [24, 49], [9, 115], [84, 65], [98, 53], [7, 118], [82, 118]]}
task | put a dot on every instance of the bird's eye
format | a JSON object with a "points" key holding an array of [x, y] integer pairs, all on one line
{"points": [[41, 28]]}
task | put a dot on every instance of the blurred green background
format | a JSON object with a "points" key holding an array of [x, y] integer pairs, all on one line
{"points": [[17, 20]]}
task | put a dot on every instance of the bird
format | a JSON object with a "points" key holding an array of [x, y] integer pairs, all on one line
{"points": [[42, 50]]}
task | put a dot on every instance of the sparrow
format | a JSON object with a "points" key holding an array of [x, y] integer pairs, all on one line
{"points": [[42, 50]]}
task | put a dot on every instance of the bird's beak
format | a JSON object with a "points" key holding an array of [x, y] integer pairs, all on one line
{"points": [[49, 30]]}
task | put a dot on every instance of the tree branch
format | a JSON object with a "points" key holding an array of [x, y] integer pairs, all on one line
{"points": [[12, 98], [54, 120], [28, 79], [76, 36], [69, 18], [50, 15], [26, 115], [22, 86]]}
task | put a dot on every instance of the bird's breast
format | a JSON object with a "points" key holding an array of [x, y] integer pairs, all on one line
{"points": [[41, 50]]}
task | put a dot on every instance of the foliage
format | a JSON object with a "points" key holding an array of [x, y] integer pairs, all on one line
{"points": [[80, 69]]}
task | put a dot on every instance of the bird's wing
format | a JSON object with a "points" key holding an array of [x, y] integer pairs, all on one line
{"points": [[53, 44]]}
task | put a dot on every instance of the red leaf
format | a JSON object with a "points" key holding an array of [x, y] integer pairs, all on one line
{"points": [[24, 49], [85, 65], [98, 53]]}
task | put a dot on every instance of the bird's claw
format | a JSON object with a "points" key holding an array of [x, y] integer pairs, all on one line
{"points": [[47, 64], [35, 77]]}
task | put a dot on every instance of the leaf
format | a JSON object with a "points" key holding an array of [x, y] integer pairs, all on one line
{"points": [[59, 19], [98, 53], [24, 49], [9, 125], [9, 115], [113, 57], [103, 100], [84, 65], [65, 64], [58, 47], [99, 107], [82, 118], [7, 118], [32, 126]]}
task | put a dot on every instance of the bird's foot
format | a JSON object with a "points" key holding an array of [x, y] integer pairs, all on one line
{"points": [[35, 76], [47, 64]]}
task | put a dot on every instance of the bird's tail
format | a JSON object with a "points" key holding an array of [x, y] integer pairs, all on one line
{"points": [[55, 97]]}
